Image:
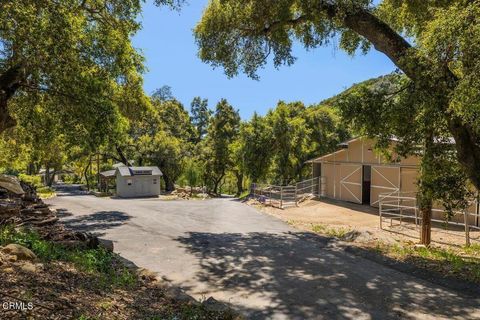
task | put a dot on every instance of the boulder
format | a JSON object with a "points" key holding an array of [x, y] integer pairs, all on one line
{"points": [[146, 274], [214, 305], [20, 252], [11, 184], [221, 308], [106, 244], [178, 294], [28, 267]]}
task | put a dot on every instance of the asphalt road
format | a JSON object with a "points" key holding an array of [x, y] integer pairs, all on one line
{"points": [[262, 266]]}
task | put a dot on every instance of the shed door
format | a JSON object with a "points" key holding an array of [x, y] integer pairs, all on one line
{"points": [[351, 183], [141, 187], [385, 180]]}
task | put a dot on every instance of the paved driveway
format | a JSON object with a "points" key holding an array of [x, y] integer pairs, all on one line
{"points": [[225, 249]]}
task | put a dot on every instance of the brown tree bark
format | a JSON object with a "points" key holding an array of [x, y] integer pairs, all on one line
{"points": [[425, 194], [239, 177], [169, 184], [426, 231], [10, 81]]}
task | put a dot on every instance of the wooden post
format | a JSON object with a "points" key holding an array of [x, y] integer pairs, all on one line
{"points": [[98, 171], [467, 229], [425, 235], [380, 214], [296, 203], [281, 197]]}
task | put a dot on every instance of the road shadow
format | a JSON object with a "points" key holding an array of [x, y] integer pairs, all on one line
{"points": [[95, 223], [306, 276], [69, 190]]}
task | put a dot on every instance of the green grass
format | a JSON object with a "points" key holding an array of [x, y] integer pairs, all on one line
{"points": [[329, 231], [101, 263], [244, 195], [464, 262], [45, 192]]}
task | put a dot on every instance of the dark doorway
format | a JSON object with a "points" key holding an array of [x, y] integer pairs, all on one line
{"points": [[366, 184]]}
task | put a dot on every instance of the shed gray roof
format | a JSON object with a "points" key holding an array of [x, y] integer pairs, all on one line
{"points": [[109, 173], [131, 171]]}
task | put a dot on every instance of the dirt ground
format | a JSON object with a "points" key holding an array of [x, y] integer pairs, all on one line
{"points": [[365, 221]]}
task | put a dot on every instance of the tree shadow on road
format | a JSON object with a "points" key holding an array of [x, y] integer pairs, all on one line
{"points": [[94, 223], [306, 276]]}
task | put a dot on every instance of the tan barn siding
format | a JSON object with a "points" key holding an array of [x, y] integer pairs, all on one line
{"points": [[355, 149], [329, 174]]}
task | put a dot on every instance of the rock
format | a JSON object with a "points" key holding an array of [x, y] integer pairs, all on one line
{"points": [[213, 305], [146, 274], [11, 184], [351, 236], [177, 294], [216, 306], [20, 252], [8, 270], [105, 244], [28, 267]]}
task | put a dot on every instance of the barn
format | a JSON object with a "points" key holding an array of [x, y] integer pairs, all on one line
{"points": [[356, 173], [134, 182]]}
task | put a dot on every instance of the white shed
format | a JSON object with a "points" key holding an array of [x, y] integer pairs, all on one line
{"points": [[138, 181]]}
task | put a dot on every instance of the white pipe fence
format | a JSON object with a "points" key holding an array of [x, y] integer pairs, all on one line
{"points": [[285, 196], [403, 206]]}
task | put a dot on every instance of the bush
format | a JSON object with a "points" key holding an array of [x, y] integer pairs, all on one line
{"points": [[71, 178], [99, 262], [35, 181]]}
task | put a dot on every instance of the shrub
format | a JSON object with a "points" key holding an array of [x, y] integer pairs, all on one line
{"points": [[35, 181], [99, 262]]}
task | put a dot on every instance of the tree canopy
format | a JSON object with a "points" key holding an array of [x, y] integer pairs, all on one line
{"points": [[75, 55], [441, 57]]}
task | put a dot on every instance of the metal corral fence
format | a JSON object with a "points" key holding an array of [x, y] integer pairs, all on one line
{"points": [[285, 196], [403, 206]]}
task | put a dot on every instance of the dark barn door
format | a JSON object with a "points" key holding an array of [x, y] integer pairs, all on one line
{"points": [[366, 184]]}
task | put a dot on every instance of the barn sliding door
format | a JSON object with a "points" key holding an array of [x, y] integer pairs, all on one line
{"points": [[385, 180], [351, 183]]}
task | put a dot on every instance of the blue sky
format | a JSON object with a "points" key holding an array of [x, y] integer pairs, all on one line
{"points": [[167, 43]]}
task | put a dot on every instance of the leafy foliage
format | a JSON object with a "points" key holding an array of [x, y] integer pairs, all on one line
{"points": [[200, 117], [382, 107], [221, 134], [110, 271]]}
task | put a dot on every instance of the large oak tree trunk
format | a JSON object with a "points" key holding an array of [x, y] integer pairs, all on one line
{"points": [[169, 184], [6, 121], [9, 83], [425, 196], [426, 213], [239, 177]]}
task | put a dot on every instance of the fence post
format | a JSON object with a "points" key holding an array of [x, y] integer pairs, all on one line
{"points": [[380, 213], [281, 197], [416, 212], [467, 229], [296, 203]]}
